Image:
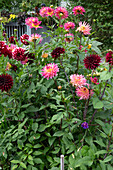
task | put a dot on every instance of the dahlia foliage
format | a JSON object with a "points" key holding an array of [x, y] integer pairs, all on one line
{"points": [[56, 97]]}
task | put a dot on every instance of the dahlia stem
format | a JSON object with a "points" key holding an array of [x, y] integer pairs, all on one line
{"points": [[100, 99], [109, 143], [69, 84]]}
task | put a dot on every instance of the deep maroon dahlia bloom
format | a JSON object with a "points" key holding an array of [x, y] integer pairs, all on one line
{"points": [[57, 51], [23, 39], [19, 54], [109, 57], [13, 40], [6, 82], [92, 61], [85, 125]]}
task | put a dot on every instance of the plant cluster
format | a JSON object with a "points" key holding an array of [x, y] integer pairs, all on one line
{"points": [[56, 98]]}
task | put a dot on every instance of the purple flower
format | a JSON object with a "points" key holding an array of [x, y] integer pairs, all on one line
{"points": [[85, 125]]}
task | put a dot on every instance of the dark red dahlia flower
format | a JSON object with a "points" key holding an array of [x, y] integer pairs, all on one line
{"points": [[6, 82], [57, 51], [13, 40], [92, 61], [109, 57], [19, 54], [23, 39]]}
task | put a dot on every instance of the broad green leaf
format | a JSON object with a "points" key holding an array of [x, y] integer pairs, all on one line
{"points": [[38, 161], [23, 165], [59, 133], [97, 104], [15, 161], [35, 127], [108, 158], [100, 152], [14, 167]]}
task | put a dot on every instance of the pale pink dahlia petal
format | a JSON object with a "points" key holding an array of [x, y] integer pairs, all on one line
{"points": [[84, 28], [50, 71], [78, 80]]}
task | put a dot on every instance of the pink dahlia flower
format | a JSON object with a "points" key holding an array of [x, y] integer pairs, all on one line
{"points": [[84, 28], [78, 80], [50, 71], [78, 10], [28, 21], [35, 37], [94, 80], [69, 37], [69, 25], [23, 39], [83, 93], [33, 22], [61, 12], [46, 11]]}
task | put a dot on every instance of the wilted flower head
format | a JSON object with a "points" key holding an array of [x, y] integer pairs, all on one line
{"points": [[13, 40], [61, 12], [57, 51], [78, 80], [23, 39], [8, 66], [92, 61], [46, 11], [33, 22], [35, 37], [50, 71], [84, 28], [78, 10], [85, 125], [19, 54], [94, 80], [69, 37], [69, 25], [109, 57], [83, 93], [6, 82]]}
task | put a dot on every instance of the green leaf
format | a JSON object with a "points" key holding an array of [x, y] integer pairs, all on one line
{"points": [[20, 144], [35, 127], [51, 140], [59, 133], [23, 165], [42, 128], [105, 75], [97, 104], [108, 158], [14, 167], [23, 123], [38, 161], [37, 146], [37, 153], [100, 152], [15, 161]]}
